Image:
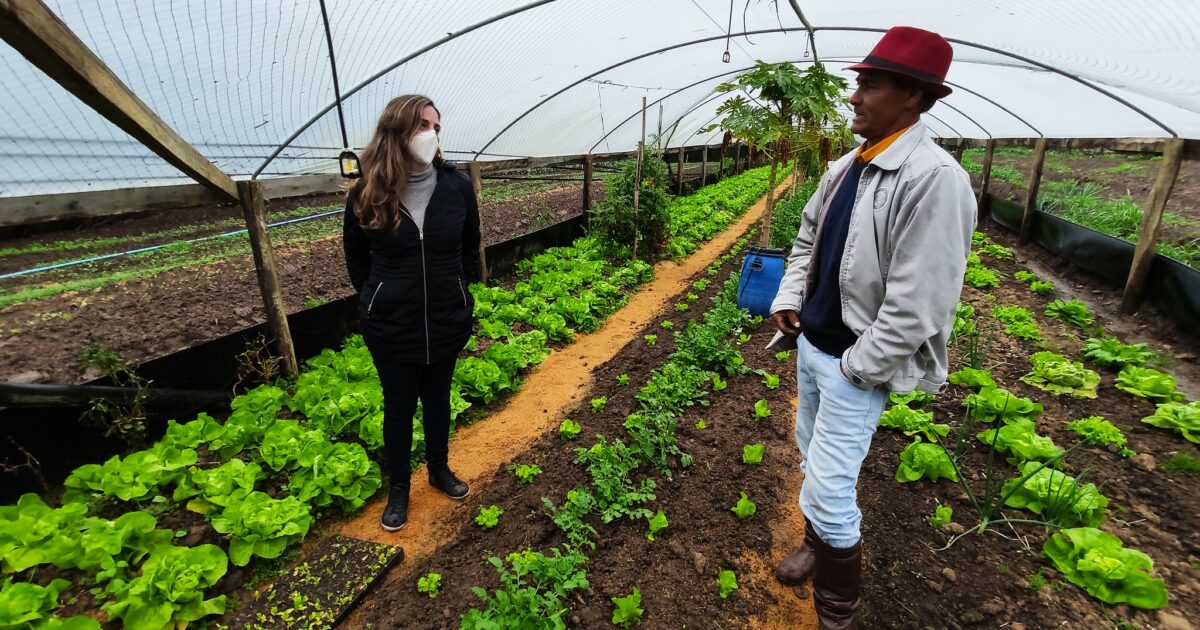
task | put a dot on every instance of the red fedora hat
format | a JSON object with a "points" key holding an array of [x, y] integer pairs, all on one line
{"points": [[915, 53]]}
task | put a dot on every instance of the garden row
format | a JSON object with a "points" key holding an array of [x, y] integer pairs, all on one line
{"points": [[283, 455], [1054, 440]]}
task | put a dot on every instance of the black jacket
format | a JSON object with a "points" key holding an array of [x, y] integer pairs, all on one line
{"points": [[413, 302]]}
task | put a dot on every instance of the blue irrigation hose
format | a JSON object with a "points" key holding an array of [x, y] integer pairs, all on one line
{"points": [[141, 250]]}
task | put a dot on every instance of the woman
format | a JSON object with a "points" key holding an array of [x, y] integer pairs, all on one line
{"points": [[411, 236]]}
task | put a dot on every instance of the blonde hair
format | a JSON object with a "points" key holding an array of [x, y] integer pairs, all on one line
{"points": [[384, 162]]}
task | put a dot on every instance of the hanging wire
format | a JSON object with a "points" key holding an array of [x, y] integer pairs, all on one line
{"points": [[347, 160], [728, 30]]}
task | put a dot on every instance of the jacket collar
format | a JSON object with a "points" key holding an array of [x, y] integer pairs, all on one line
{"points": [[895, 155]]}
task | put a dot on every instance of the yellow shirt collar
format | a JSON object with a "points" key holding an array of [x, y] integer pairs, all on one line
{"points": [[867, 155]]}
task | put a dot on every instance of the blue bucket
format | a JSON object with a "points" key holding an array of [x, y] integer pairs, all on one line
{"points": [[762, 272]]}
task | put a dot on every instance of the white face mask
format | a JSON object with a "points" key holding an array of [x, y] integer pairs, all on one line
{"points": [[424, 146]]}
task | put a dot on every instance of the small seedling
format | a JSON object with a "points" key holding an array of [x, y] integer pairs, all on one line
{"points": [[430, 584], [488, 517], [629, 610], [681, 307], [743, 338], [745, 508], [651, 339], [941, 515], [700, 284], [668, 324], [692, 297], [598, 404], [701, 425], [622, 379], [658, 522], [525, 472], [770, 380], [569, 429], [752, 454], [728, 582], [718, 383], [783, 356], [761, 410]]}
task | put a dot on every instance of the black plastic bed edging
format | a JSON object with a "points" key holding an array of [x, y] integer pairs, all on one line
{"points": [[56, 438], [1172, 286]]}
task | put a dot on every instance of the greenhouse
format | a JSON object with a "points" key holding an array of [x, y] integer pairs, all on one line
{"points": [[631, 271]]}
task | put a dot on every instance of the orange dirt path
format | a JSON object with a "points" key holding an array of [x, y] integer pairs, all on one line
{"points": [[546, 395]]}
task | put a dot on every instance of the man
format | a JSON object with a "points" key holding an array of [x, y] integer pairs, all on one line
{"points": [[868, 298]]}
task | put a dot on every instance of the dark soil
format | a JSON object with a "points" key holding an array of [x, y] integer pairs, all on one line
{"points": [[991, 580], [41, 341], [677, 572]]}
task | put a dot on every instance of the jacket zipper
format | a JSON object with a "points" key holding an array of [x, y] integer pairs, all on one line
{"points": [[371, 304], [462, 290], [424, 282]]}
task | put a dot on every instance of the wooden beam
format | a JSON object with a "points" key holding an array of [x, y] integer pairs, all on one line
{"points": [[587, 189], [704, 166], [679, 182], [1035, 180], [475, 171], [1143, 254], [986, 178], [958, 150], [254, 208], [40, 36]]}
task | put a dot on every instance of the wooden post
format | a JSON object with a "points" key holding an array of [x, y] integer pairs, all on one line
{"points": [[764, 236], [1035, 180], [986, 178], [587, 188], [474, 170], [958, 150], [254, 208], [679, 171], [1143, 254], [721, 155], [36, 32], [637, 181], [704, 166]]}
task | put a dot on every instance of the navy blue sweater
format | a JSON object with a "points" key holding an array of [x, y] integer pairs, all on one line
{"points": [[821, 314]]}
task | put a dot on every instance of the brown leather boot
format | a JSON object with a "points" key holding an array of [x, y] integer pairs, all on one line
{"points": [[798, 567], [837, 586]]}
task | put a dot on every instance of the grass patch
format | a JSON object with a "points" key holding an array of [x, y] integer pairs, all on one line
{"points": [[1182, 463]]}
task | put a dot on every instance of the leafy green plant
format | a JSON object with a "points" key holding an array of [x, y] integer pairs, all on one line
{"points": [[1097, 431], [628, 610], [1109, 352], [1056, 496], [727, 582], [617, 494], [598, 404], [569, 429], [964, 321], [922, 460], [262, 526], [137, 476], [1182, 418], [569, 517], [761, 409], [701, 425], [912, 422], [170, 588], [914, 399], [430, 584], [1148, 383], [681, 307], [1100, 564], [1025, 275], [1020, 440], [525, 472], [1018, 322], [27, 605], [340, 474], [667, 324], [1182, 463], [992, 403], [743, 338], [752, 453], [285, 442], [941, 515], [980, 277], [533, 591], [973, 378], [1041, 287], [1059, 375], [217, 487], [651, 339], [718, 383], [657, 523], [745, 508], [771, 381], [622, 379], [783, 356], [488, 517], [1072, 312]]}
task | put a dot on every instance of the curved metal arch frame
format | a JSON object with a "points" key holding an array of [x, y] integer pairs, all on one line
{"points": [[963, 42]]}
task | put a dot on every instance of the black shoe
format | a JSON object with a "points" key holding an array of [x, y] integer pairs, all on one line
{"points": [[395, 515], [441, 478]]}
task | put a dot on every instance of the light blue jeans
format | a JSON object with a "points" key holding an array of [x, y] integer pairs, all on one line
{"points": [[834, 424]]}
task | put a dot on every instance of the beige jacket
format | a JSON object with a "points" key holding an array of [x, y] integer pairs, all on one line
{"points": [[902, 270]]}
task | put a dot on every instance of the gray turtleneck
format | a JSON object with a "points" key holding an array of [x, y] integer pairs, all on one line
{"points": [[417, 192]]}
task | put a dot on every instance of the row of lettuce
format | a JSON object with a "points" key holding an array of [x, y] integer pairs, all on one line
{"points": [[536, 586], [1096, 561], [280, 458]]}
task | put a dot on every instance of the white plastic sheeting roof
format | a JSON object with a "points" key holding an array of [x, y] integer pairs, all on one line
{"points": [[237, 79]]}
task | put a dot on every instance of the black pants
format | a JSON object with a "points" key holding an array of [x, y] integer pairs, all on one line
{"points": [[403, 384]]}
